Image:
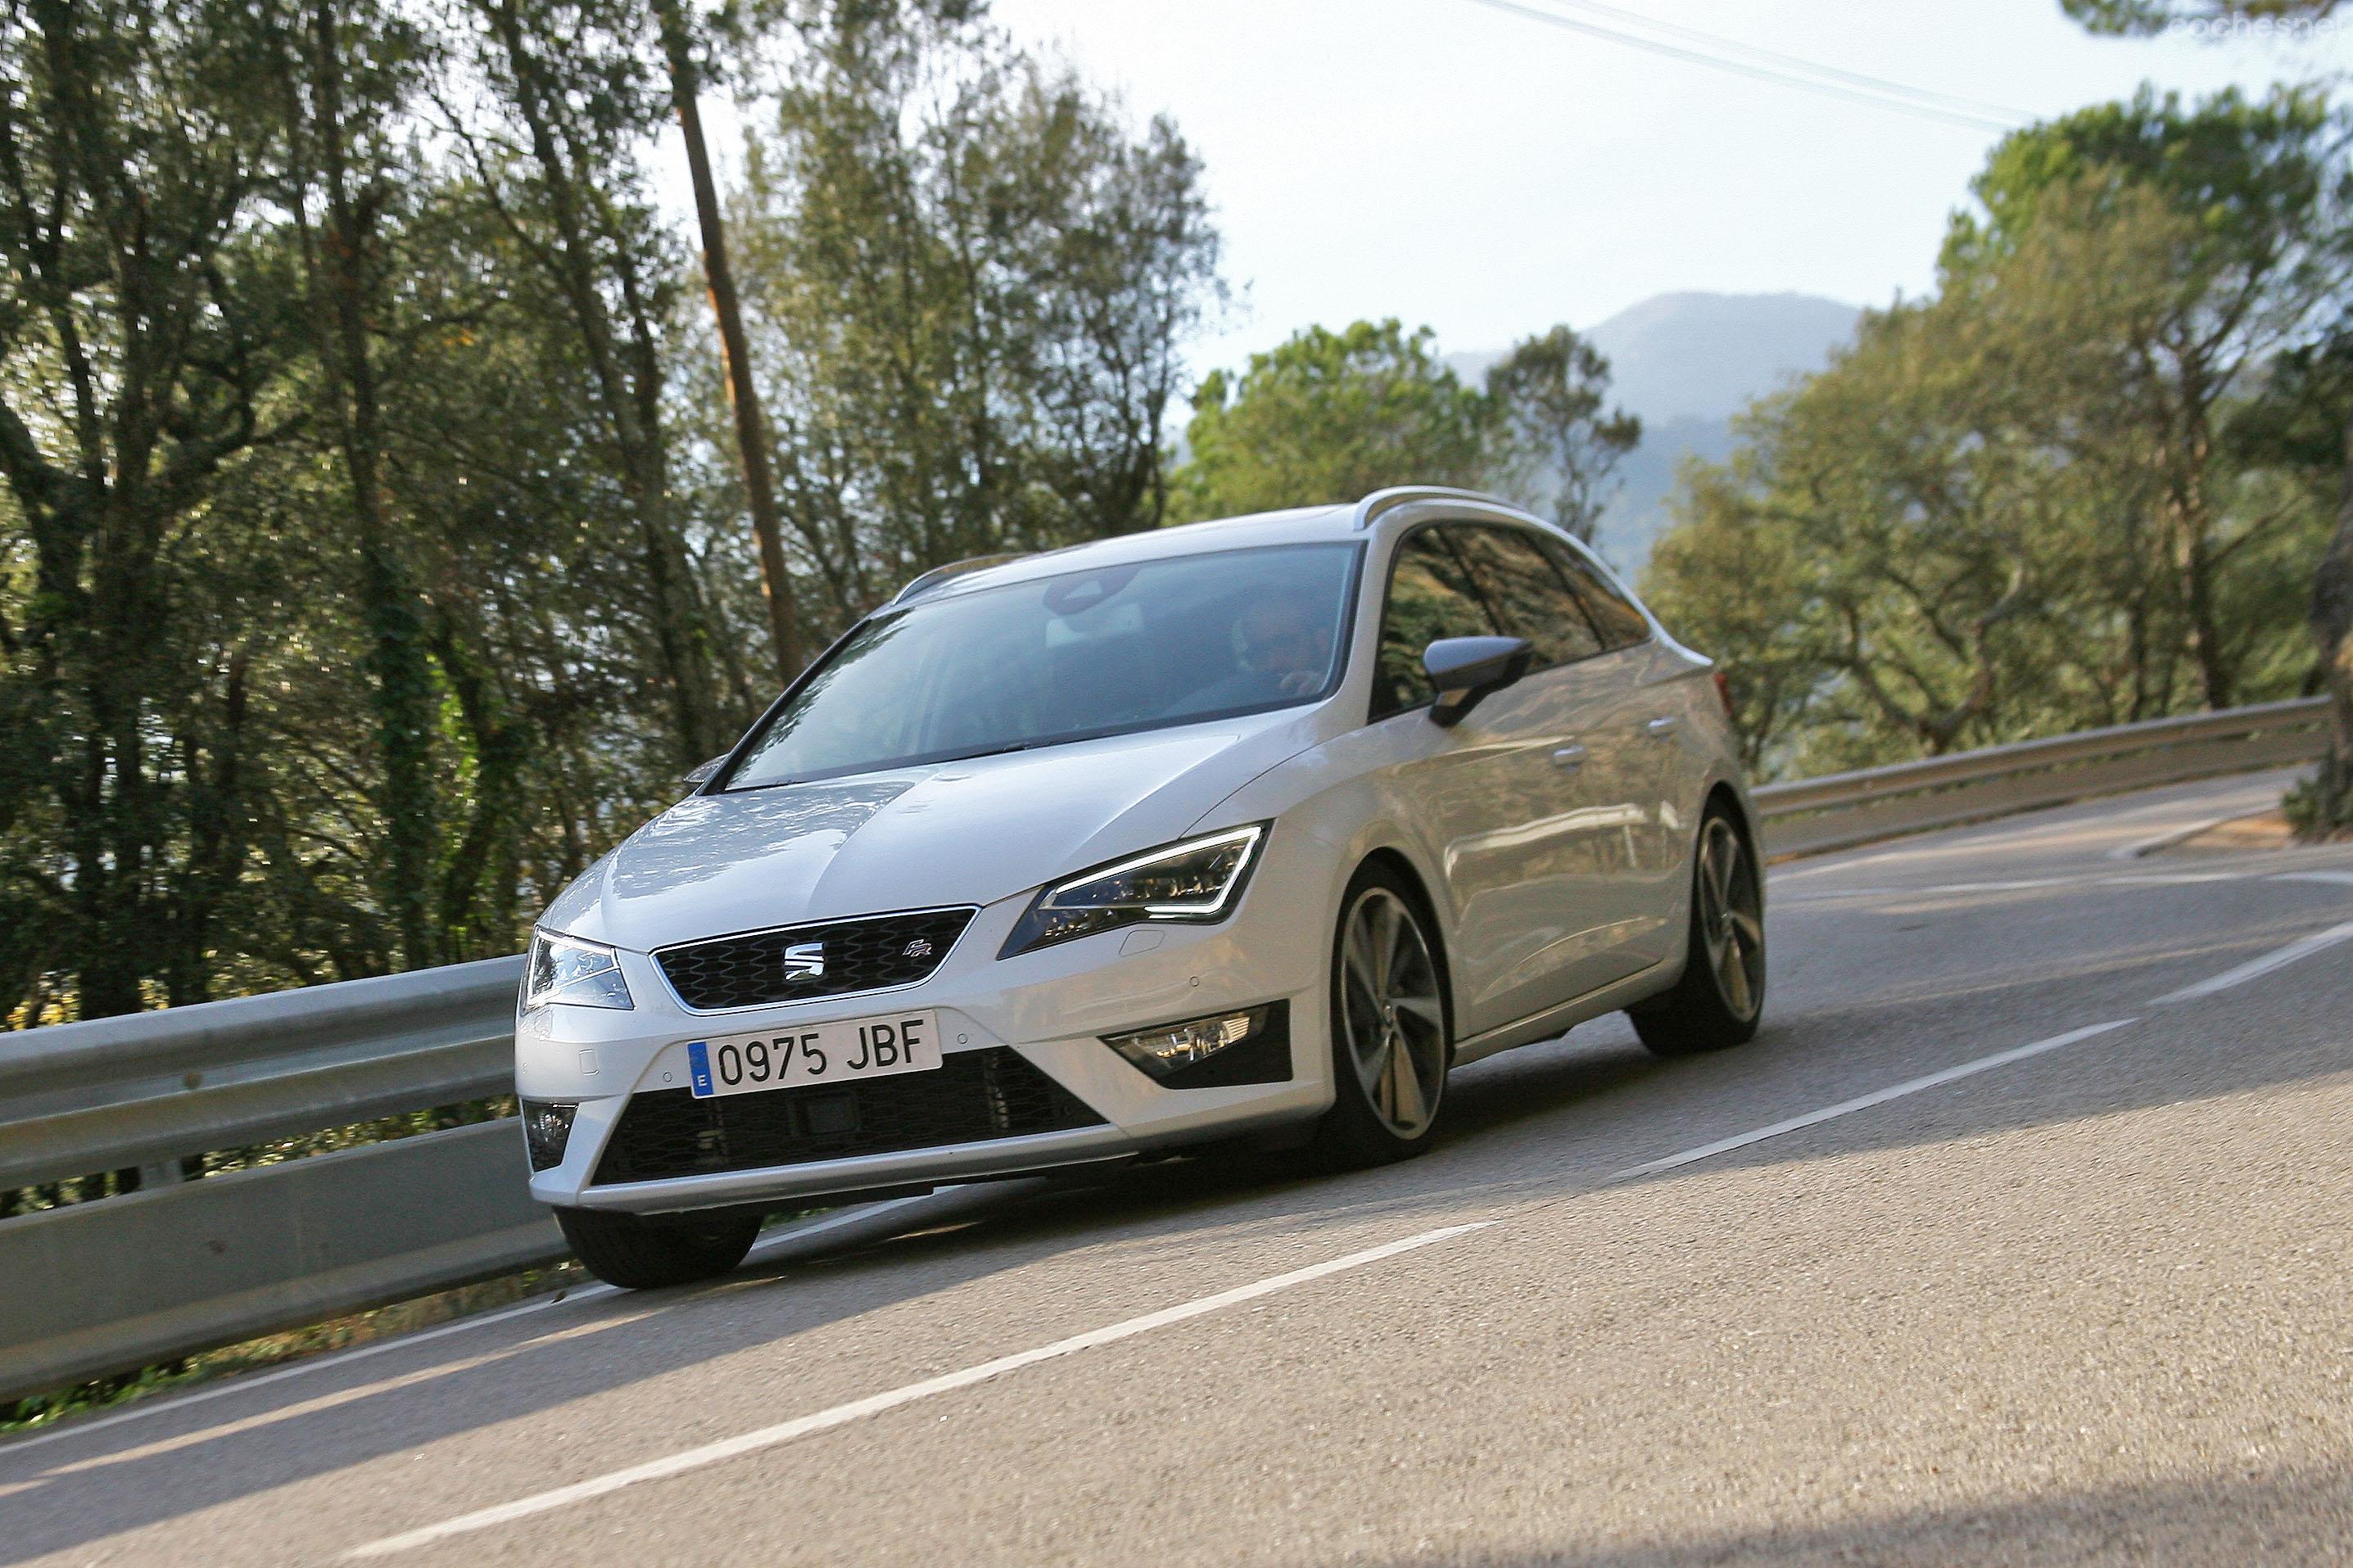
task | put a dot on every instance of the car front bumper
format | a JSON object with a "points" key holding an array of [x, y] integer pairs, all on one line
{"points": [[1051, 1007]]}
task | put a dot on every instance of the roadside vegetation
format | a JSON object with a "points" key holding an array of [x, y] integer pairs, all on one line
{"points": [[2086, 482], [398, 496], [2100, 475], [374, 548]]}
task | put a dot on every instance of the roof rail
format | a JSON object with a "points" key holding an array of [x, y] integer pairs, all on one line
{"points": [[939, 575], [1368, 510]]}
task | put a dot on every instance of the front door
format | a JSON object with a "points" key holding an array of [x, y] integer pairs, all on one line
{"points": [[1512, 800]]}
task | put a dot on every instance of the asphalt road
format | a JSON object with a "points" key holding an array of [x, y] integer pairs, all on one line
{"points": [[2021, 1234]]}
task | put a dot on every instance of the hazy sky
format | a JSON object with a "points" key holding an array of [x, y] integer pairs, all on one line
{"points": [[1489, 175]]}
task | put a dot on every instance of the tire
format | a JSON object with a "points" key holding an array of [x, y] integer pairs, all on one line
{"points": [[641, 1253], [1392, 1040], [1720, 998]]}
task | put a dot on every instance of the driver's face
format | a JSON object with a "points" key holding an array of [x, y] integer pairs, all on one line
{"points": [[1280, 638]]}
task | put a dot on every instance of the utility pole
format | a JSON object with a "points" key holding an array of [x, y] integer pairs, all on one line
{"points": [[743, 398]]}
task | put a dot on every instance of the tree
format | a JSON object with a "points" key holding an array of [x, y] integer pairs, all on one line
{"points": [[2328, 806], [1550, 446], [560, 167], [371, 545], [967, 284], [2256, 261], [1329, 416], [2145, 16], [349, 163], [1967, 520], [141, 335], [743, 390]]}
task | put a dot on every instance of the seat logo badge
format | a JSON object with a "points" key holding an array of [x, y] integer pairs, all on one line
{"points": [[919, 948], [804, 961]]}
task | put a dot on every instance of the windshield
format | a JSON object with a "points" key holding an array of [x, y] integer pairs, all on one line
{"points": [[1101, 652]]}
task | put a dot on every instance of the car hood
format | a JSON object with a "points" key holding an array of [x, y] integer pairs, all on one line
{"points": [[967, 832]]}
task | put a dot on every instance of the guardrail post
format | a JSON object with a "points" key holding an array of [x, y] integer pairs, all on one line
{"points": [[159, 1173]]}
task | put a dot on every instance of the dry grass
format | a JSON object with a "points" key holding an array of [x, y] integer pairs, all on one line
{"points": [[273, 1350]]}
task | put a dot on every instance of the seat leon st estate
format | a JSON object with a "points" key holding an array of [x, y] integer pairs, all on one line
{"points": [[1247, 830]]}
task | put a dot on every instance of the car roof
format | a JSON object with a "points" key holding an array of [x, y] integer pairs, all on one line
{"points": [[1337, 522]]}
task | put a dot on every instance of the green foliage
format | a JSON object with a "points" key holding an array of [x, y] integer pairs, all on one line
{"points": [[2065, 491], [1329, 416], [370, 557], [967, 282], [2141, 17]]}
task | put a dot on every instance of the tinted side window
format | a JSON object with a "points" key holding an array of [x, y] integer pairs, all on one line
{"points": [[1530, 597], [1614, 615], [1430, 596]]}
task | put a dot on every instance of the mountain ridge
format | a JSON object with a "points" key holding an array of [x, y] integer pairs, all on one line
{"points": [[1687, 362]]}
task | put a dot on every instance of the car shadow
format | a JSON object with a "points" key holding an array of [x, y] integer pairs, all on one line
{"points": [[2233, 1519]]}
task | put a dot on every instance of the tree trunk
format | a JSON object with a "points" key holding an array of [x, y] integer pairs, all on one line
{"points": [[680, 635], [2331, 630], [403, 681], [742, 395], [478, 883], [217, 842]]}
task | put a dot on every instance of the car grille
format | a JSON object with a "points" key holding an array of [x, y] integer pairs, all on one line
{"points": [[872, 954], [972, 1097]]}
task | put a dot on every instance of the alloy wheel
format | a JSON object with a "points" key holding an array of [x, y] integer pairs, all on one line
{"points": [[1391, 1014], [1730, 920]]}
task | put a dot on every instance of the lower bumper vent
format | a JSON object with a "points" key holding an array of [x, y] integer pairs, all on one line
{"points": [[972, 1097]]}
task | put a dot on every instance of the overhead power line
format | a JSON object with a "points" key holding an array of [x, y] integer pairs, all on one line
{"points": [[1977, 105], [1758, 64]]}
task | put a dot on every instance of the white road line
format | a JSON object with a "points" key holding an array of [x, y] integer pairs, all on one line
{"points": [[2181, 834], [2255, 968], [875, 1405], [166, 1404], [1864, 1102], [2036, 884], [339, 1398], [2341, 878], [2176, 879]]}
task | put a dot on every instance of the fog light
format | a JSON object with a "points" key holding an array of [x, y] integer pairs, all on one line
{"points": [[1172, 1052], [546, 1128]]}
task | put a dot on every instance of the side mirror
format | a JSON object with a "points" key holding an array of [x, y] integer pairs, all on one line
{"points": [[702, 775], [1466, 670]]}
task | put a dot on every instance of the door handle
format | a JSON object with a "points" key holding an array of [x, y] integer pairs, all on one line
{"points": [[1658, 729], [1569, 756]]}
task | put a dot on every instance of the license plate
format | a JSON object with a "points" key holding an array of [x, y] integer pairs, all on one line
{"points": [[815, 1053]]}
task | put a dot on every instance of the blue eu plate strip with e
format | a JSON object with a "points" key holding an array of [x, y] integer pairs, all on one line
{"points": [[698, 1058]]}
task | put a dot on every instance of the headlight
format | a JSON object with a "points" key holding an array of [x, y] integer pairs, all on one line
{"points": [[1196, 881], [565, 969]]}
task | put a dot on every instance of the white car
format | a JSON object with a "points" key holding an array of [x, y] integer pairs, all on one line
{"points": [[1247, 830]]}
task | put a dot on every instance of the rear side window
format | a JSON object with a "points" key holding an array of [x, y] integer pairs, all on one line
{"points": [[1614, 615], [1531, 599], [1432, 596]]}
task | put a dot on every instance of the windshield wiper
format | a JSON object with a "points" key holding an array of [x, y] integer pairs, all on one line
{"points": [[993, 750]]}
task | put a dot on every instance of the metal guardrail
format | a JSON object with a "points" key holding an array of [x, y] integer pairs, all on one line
{"points": [[1810, 815], [115, 1283], [87, 1288]]}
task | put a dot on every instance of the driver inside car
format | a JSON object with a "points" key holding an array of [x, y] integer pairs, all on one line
{"points": [[1282, 648]]}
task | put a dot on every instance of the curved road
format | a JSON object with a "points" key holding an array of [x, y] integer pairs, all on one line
{"points": [[2021, 1233]]}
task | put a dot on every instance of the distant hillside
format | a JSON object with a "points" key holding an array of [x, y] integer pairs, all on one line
{"points": [[1686, 363]]}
